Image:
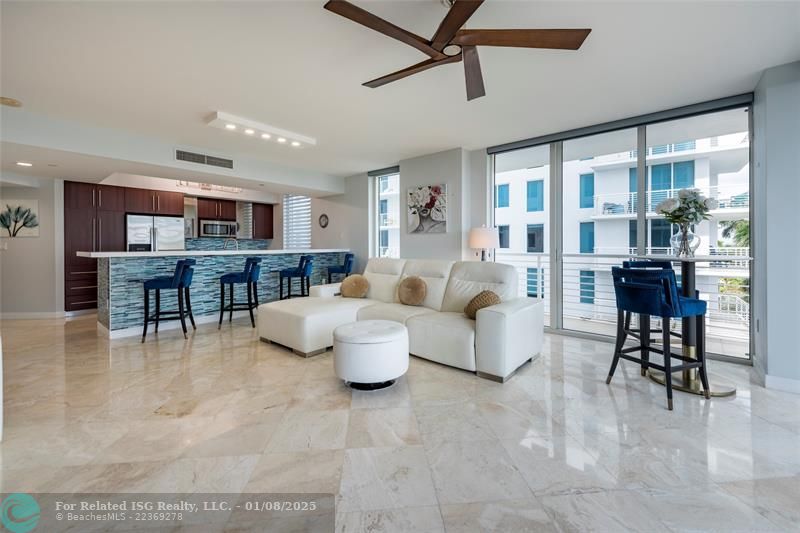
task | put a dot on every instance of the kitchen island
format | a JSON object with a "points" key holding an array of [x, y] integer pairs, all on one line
{"points": [[120, 299]]}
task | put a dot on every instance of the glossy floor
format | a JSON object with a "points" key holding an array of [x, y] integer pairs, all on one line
{"points": [[553, 449]]}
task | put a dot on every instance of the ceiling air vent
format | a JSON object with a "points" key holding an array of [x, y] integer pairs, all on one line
{"points": [[203, 159]]}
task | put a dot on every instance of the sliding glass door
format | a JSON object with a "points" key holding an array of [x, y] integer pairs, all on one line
{"points": [[598, 207], [710, 153], [521, 200], [571, 208]]}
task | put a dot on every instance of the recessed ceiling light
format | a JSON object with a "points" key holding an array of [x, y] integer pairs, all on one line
{"points": [[24, 164], [266, 136], [281, 140], [230, 126], [248, 131], [295, 143], [11, 102]]}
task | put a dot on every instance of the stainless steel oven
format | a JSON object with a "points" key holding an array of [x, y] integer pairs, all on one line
{"points": [[218, 228]]}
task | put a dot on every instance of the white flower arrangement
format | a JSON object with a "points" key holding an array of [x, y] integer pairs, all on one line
{"points": [[690, 207]]}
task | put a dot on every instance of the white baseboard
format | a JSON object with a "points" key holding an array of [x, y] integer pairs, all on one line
{"points": [[136, 331], [782, 384], [32, 316]]}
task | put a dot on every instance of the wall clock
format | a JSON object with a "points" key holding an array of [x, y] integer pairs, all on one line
{"points": [[323, 220]]}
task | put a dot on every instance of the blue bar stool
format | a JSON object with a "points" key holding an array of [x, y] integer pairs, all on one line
{"points": [[644, 331], [303, 271], [252, 269], [655, 293], [344, 269], [180, 281]]}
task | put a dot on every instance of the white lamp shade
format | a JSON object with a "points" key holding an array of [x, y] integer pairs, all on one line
{"points": [[484, 238]]}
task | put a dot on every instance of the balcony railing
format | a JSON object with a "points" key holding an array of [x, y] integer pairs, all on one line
{"points": [[625, 203], [589, 303], [386, 220], [389, 251]]}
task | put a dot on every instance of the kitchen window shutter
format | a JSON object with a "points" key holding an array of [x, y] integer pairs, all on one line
{"points": [[296, 221]]}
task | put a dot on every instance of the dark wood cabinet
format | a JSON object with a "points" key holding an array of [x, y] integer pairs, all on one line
{"points": [[147, 202], [227, 210], [110, 198], [212, 209], [169, 203], [110, 231], [262, 221], [140, 201], [207, 209], [79, 195], [94, 221]]}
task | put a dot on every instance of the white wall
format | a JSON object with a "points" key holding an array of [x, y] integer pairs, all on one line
{"points": [[452, 169], [31, 268], [776, 242], [351, 223]]}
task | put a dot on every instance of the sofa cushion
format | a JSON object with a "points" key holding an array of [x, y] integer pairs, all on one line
{"points": [[481, 300], [394, 312], [354, 286], [447, 338], [435, 274], [412, 290], [383, 274], [468, 278]]}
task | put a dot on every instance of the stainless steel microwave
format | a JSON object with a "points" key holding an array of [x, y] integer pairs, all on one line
{"points": [[218, 228]]}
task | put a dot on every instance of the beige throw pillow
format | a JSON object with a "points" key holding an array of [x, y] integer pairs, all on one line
{"points": [[354, 286], [481, 300], [412, 291]]}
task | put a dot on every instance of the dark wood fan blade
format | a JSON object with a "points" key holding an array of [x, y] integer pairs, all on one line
{"points": [[413, 69], [559, 39], [472, 73], [459, 13], [365, 18]]}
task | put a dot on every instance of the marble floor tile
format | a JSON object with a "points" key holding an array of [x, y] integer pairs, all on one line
{"points": [[602, 512], [475, 471], [523, 516], [554, 448], [307, 471], [558, 465], [703, 508], [454, 421], [775, 498], [408, 520], [370, 428], [302, 430], [385, 478]]}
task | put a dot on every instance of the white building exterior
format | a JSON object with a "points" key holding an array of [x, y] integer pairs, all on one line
{"points": [[599, 228]]}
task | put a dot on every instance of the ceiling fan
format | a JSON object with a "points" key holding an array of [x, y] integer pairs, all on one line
{"points": [[451, 43]]}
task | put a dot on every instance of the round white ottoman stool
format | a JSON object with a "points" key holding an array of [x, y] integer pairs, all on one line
{"points": [[370, 354]]}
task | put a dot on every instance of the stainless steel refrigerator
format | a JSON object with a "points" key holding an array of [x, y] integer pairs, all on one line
{"points": [[147, 233]]}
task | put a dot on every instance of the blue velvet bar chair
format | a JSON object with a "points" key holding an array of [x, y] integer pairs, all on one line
{"points": [[180, 281], [655, 293], [303, 271], [344, 269], [644, 331], [249, 276]]}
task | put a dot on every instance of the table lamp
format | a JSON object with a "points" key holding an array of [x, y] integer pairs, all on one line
{"points": [[484, 238]]}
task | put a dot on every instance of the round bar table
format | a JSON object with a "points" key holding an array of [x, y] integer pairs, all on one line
{"points": [[688, 382]]}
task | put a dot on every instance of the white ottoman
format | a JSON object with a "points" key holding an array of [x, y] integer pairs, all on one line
{"points": [[370, 354]]}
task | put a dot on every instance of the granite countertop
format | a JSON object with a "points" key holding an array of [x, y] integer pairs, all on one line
{"points": [[190, 253]]}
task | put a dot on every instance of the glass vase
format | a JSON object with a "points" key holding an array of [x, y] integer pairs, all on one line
{"points": [[684, 242]]}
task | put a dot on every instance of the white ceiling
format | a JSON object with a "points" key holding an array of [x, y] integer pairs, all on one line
{"points": [[160, 69]]}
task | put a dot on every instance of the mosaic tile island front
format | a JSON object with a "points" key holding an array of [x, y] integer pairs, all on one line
{"points": [[120, 295]]}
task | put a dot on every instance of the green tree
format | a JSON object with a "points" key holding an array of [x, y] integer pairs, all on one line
{"points": [[738, 230]]}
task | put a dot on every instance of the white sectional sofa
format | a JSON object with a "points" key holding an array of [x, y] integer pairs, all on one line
{"points": [[501, 339]]}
